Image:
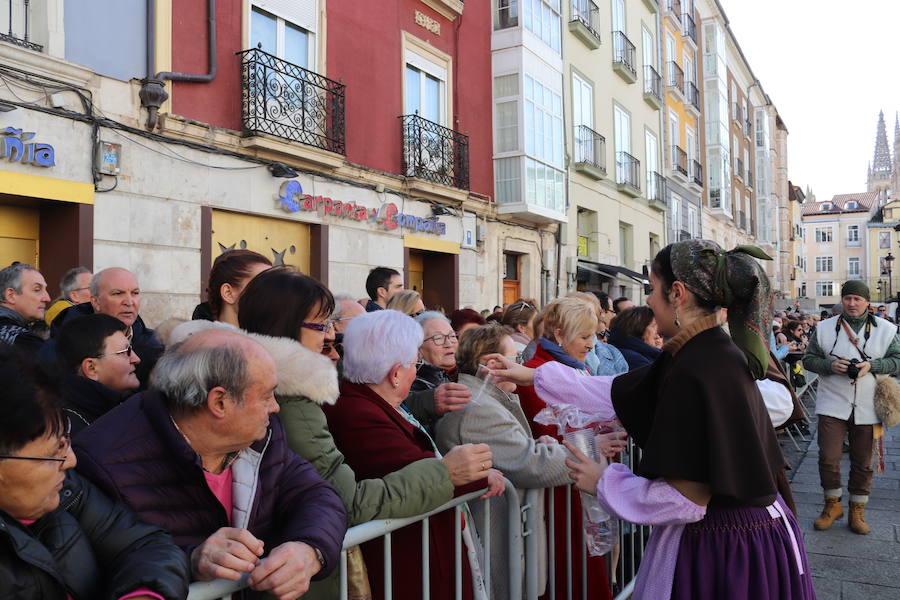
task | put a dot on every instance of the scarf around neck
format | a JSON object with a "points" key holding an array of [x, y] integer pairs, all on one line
{"points": [[560, 355], [736, 281]]}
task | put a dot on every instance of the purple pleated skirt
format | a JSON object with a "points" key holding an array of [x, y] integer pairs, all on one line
{"points": [[742, 554]]}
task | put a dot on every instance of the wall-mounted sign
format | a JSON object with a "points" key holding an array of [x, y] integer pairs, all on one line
{"points": [[292, 199], [15, 147]]}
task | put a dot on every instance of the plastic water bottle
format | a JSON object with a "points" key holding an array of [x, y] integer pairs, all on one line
{"points": [[601, 531]]}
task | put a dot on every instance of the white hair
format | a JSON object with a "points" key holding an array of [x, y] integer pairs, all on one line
{"points": [[337, 313], [376, 341], [429, 315]]}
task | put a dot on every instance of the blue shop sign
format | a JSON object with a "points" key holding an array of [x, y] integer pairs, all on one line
{"points": [[16, 147]]}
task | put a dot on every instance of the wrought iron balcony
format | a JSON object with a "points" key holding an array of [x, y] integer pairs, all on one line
{"points": [[693, 95], [737, 113], [679, 160], [652, 87], [749, 180], [585, 22], [739, 169], [288, 101], [590, 152], [742, 220], [697, 173], [748, 127], [656, 190], [676, 76], [683, 234], [628, 173], [624, 57], [18, 31], [434, 152], [689, 27]]}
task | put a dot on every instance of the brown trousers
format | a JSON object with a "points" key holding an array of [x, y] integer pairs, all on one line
{"points": [[831, 439]]}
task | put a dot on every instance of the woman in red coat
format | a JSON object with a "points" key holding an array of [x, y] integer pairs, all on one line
{"points": [[567, 335], [377, 437]]}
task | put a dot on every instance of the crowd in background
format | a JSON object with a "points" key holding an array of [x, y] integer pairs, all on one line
{"points": [[278, 416]]}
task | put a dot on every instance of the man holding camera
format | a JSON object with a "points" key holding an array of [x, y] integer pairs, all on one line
{"points": [[847, 351]]}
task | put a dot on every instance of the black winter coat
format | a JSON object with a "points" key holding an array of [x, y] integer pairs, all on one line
{"points": [[143, 340], [86, 400], [136, 454], [90, 548]]}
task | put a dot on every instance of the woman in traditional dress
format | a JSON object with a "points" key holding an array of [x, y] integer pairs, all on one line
{"points": [[711, 468]]}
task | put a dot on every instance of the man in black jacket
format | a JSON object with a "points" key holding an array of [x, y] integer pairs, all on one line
{"points": [[204, 456], [23, 300], [100, 367], [116, 292]]}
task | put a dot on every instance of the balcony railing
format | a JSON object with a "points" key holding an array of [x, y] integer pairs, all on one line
{"points": [[656, 187], [434, 152], [624, 52], [693, 95], [19, 20], [748, 127], [673, 6], [739, 169], [590, 148], [587, 13], [288, 101], [652, 82], [737, 112], [628, 171], [742, 219], [697, 173], [689, 27], [676, 76], [679, 160], [749, 180]]}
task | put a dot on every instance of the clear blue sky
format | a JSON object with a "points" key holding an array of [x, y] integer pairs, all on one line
{"points": [[828, 67]]}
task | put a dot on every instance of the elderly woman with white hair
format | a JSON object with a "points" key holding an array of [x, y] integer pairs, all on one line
{"points": [[377, 436], [438, 351]]}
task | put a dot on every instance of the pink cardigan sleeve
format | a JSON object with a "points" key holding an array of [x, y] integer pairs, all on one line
{"points": [[556, 383], [644, 501]]}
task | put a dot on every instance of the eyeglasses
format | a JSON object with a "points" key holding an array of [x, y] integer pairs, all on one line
{"points": [[65, 444], [416, 364], [81, 289], [127, 352], [440, 339], [325, 326]]}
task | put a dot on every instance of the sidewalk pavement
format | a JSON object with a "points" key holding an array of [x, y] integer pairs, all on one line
{"points": [[844, 565]]}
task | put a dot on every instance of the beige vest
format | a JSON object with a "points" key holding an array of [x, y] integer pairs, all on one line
{"points": [[836, 396]]}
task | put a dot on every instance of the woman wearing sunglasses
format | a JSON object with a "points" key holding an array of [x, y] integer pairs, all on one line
{"points": [[289, 314], [60, 537]]}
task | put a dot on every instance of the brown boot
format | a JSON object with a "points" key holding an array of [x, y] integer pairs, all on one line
{"points": [[831, 513], [858, 518]]}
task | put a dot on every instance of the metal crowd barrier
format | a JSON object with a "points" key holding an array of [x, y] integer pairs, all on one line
{"points": [[622, 563], [222, 588]]}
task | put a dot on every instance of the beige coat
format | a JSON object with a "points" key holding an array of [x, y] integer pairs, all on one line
{"points": [[496, 418]]}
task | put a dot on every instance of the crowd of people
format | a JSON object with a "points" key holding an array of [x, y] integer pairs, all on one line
{"points": [[245, 441]]}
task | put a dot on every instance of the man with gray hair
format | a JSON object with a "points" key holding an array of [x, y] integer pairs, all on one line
{"points": [[23, 300], [203, 456], [74, 288], [116, 292], [345, 308]]}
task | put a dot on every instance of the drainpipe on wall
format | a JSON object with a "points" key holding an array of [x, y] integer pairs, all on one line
{"points": [[153, 92]]}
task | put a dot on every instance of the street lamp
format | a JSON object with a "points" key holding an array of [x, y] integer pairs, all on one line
{"points": [[887, 261]]}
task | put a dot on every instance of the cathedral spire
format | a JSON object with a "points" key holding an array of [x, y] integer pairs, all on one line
{"points": [[882, 159]]}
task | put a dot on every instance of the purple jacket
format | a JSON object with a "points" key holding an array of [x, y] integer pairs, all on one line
{"points": [[135, 453]]}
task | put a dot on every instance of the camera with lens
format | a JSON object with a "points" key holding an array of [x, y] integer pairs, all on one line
{"points": [[852, 369]]}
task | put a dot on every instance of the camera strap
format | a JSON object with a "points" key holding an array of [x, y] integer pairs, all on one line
{"points": [[855, 340]]}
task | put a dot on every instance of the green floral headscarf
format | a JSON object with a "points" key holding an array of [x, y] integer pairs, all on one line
{"points": [[736, 281]]}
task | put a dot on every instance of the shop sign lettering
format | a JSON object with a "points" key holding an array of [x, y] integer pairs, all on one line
{"points": [[15, 147], [292, 199]]}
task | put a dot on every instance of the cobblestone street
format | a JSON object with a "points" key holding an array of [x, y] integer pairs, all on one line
{"points": [[846, 566]]}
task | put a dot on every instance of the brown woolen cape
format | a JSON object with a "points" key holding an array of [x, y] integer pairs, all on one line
{"points": [[697, 414]]}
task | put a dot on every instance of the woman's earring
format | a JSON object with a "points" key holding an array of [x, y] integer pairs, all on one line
{"points": [[677, 322]]}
